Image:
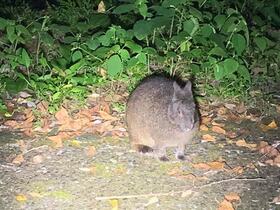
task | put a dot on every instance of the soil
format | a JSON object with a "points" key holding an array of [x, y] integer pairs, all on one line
{"points": [[116, 177]]}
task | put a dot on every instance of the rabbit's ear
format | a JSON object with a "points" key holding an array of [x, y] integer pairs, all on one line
{"points": [[188, 87]]}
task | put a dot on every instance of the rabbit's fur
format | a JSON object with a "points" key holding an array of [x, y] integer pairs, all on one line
{"points": [[161, 114]]}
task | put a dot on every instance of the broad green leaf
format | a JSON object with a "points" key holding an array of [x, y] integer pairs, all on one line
{"points": [[142, 29], [196, 13], [124, 8], [218, 51], [22, 30], [230, 66], [104, 40], [220, 20], [124, 54], [142, 58], [219, 71], [136, 48], [230, 25], [239, 43], [143, 10], [207, 30], [3, 23], [69, 39], [98, 20], [261, 43], [77, 55], [25, 59], [93, 44], [46, 38], [244, 72], [114, 65], [191, 26], [11, 33]]}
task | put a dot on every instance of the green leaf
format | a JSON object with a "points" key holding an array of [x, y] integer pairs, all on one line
{"points": [[114, 65], [136, 48], [143, 10], [230, 65], [191, 26], [69, 39], [25, 59], [11, 34], [125, 8], [207, 30], [93, 44], [244, 72], [124, 54], [142, 58], [104, 40], [239, 43], [261, 42], [3, 23], [142, 29], [77, 55], [220, 20], [172, 3], [218, 51]]}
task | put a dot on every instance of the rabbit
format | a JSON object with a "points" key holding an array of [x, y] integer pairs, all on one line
{"points": [[161, 114]]}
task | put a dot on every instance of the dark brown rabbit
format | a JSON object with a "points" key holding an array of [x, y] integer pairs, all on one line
{"points": [[161, 114]]}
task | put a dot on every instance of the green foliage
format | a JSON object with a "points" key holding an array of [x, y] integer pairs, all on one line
{"points": [[60, 53]]}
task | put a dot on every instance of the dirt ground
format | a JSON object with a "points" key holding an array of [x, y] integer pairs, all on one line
{"points": [[91, 172]]}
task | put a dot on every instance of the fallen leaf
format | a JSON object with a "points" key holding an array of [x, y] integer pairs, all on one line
{"points": [[114, 204], [238, 170], [62, 116], [205, 120], [222, 111], [272, 125], [106, 116], [208, 138], [218, 129], [57, 140], [19, 159], [232, 197], [203, 128], [21, 198], [215, 165], [225, 205], [91, 151], [243, 143]]}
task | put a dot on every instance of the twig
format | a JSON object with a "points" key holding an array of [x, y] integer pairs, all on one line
{"points": [[35, 148], [176, 192]]}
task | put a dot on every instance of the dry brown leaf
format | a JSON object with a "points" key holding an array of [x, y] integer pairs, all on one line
{"points": [[19, 159], [215, 165], [232, 196], [22, 145], [218, 129], [243, 143], [238, 170], [203, 128], [272, 125], [276, 160], [62, 116], [205, 120], [57, 140], [106, 116], [91, 151], [208, 138], [225, 205]]}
